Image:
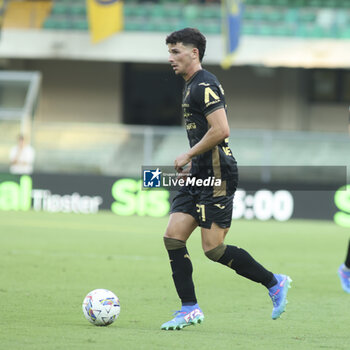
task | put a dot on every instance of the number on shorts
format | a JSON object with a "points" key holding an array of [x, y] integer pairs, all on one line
{"points": [[201, 211]]}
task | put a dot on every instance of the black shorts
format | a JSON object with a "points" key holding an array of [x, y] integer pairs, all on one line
{"points": [[204, 206]]}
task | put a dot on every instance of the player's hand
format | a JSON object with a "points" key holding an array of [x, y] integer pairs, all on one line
{"points": [[185, 172], [181, 161]]}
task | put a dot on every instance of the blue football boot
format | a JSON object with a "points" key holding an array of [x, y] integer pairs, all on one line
{"points": [[344, 278], [187, 316], [278, 295]]}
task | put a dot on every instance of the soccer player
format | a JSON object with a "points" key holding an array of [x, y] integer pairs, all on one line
{"points": [[344, 269], [204, 110], [344, 272]]}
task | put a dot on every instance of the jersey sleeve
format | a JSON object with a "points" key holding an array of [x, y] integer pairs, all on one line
{"points": [[209, 97]]}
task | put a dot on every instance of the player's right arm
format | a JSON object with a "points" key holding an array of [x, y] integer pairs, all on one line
{"points": [[218, 131], [209, 97]]}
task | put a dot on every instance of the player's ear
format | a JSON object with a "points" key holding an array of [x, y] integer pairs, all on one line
{"points": [[195, 53]]}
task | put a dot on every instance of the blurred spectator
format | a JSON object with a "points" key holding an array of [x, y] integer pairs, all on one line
{"points": [[22, 157]]}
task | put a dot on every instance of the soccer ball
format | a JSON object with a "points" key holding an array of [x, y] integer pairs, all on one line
{"points": [[101, 307]]}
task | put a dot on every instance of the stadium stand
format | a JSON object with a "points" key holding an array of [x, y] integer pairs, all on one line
{"points": [[292, 18], [79, 147], [21, 14], [107, 149]]}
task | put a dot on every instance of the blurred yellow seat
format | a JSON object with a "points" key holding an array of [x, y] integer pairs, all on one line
{"points": [[26, 14]]}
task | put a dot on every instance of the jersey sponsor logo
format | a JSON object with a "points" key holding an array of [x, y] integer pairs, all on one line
{"points": [[204, 84], [227, 150], [191, 126], [209, 93], [220, 206]]}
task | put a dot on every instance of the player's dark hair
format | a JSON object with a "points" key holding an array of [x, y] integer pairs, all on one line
{"points": [[189, 36]]}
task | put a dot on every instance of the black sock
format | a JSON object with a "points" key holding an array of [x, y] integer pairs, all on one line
{"points": [[243, 263], [347, 260], [181, 266]]}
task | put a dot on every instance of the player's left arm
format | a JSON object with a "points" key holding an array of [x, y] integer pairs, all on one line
{"points": [[217, 132]]}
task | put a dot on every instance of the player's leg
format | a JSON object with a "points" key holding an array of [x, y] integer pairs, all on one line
{"points": [[179, 229], [245, 265], [347, 260], [215, 216], [344, 272], [234, 257], [181, 224]]}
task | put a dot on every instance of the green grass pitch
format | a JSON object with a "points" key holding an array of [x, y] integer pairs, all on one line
{"points": [[49, 262]]}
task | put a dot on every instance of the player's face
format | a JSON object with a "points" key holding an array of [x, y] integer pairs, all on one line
{"points": [[181, 58]]}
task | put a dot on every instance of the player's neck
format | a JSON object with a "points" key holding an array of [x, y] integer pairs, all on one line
{"points": [[191, 72]]}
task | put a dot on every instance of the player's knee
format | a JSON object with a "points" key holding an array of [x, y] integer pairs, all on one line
{"points": [[172, 231], [216, 253], [173, 244]]}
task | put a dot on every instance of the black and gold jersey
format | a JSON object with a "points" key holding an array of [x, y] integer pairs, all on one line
{"points": [[202, 95]]}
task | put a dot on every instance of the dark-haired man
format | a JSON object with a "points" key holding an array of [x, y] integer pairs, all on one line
{"points": [[210, 207]]}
